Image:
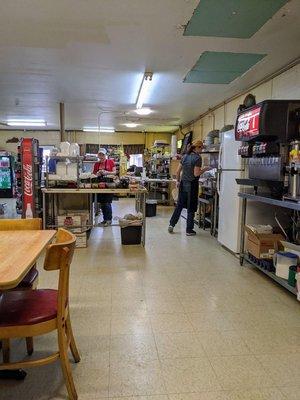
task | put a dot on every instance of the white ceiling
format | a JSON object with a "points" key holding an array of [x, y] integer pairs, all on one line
{"points": [[92, 54]]}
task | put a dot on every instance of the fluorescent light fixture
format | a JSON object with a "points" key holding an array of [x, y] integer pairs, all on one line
{"points": [[143, 111], [97, 129], [144, 89], [131, 125], [26, 122]]}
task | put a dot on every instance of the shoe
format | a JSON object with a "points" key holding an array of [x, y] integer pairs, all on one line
{"points": [[104, 223], [191, 233], [108, 222], [171, 229]]}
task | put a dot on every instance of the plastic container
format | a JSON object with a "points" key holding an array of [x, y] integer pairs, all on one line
{"points": [[151, 206], [131, 235], [292, 275]]}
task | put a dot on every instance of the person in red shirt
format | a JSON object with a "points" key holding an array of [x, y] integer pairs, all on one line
{"points": [[105, 167]]}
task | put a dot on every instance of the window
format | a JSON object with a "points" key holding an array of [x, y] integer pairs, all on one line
{"points": [[136, 159]]}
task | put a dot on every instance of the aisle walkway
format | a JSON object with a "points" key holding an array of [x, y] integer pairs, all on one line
{"points": [[178, 321]]}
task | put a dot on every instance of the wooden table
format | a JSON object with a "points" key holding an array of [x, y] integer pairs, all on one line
{"points": [[19, 250]]}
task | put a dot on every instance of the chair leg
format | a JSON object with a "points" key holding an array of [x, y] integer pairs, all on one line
{"points": [[70, 335], [29, 345], [65, 363], [6, 350]]}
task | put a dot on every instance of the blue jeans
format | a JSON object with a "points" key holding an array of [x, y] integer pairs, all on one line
{"points": [[176, 215]]}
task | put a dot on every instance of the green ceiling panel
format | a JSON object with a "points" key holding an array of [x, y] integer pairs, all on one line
{"points": [[231, 18], [221, 67]]}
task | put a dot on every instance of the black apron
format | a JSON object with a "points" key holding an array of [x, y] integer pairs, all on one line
{"points": [[188, 195]]}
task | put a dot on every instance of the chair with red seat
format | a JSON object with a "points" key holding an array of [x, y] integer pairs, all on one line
{"points": [[29, 313], [30, 280]]}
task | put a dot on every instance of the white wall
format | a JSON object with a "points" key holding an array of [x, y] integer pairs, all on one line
{"points": [[284, 86]]}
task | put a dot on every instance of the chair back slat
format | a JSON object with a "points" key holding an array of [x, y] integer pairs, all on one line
{"points": [[60, 252], [28, 224], [59, 256]]}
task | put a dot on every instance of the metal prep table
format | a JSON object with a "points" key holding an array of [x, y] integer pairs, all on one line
{"points": [[267, 200], [156, 189], [50, 197]]}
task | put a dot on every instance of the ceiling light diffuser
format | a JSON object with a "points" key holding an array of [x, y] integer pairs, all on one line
{"points": [[143, 111], [131, 125], [144, 89], [97, 129], [26, 122]]}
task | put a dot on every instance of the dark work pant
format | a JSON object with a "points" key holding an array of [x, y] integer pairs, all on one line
{"points": [[190, 218], [105, 204], [106, 211]]}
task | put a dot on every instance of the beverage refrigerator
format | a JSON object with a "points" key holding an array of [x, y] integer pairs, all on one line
{"points": [[6, 176]]}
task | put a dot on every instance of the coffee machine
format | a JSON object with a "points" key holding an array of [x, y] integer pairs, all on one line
{"points": [[265, 130], [293, 169]]}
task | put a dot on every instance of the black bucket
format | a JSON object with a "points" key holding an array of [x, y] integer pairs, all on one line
{"points": [[151, 206], [131, 235]]}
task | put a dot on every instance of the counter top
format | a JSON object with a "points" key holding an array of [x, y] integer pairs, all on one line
{"points": [[93, 190], [268, 200]]}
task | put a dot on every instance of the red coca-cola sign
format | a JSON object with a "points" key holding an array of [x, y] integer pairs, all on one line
{"points": [[247, 124], [27, 169]]}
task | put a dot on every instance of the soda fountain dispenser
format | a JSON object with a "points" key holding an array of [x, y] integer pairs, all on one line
{"points": [[265, 130]]}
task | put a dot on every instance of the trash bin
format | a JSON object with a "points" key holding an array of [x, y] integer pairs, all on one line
{"points": [[292, 275], [131, 234], [151, 206]]}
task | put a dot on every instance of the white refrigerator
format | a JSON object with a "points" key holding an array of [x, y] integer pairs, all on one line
{"points": [[230, 168]]}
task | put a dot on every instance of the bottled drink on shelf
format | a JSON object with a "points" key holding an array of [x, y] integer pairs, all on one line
{"points": [[28, 213]]}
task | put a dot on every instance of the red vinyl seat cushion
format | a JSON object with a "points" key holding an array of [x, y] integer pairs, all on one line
{"points": [[27, 307], [29, 279]]}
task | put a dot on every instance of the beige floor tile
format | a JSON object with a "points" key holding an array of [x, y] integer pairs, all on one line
{"points": [[282, 340], [189, 375], [178, 345], [130, 325], [284, 368], [241, 372], [164, 305], [219, 395], [290, 392], [257, 394], [135, 378], [223, 343], [153, 397], [207, 321], [129, 307], [128, 347], [89, 321], [170, 323]]}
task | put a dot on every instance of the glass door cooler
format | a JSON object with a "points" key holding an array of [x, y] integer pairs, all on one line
{"points": [[6, 176]]}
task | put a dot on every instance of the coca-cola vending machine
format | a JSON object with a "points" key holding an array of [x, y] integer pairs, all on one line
{"points": [[29, 178]]}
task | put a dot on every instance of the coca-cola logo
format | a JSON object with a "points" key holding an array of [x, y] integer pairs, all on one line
{"points": [[243, 125], [27, 168]]}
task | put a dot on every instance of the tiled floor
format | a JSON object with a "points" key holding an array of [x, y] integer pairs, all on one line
{"points": [[178, 320]]}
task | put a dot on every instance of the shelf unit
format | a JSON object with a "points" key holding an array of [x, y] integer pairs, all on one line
{"points": [[280, 281], [243, 256]]}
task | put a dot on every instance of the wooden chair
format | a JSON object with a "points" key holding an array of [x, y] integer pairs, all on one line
{"points": [[30, 280], [40, 311]]}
